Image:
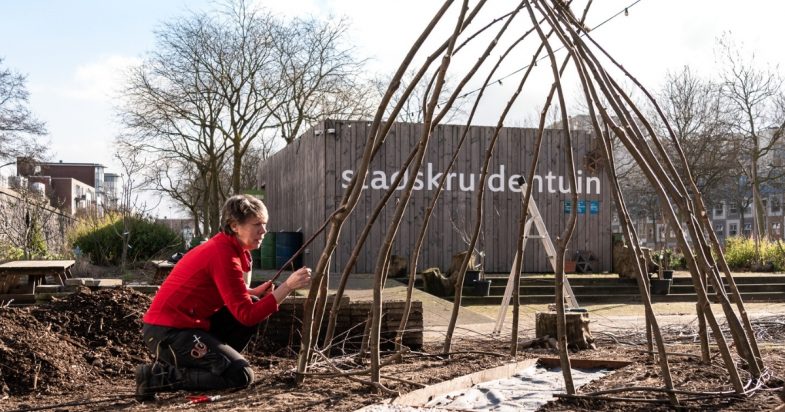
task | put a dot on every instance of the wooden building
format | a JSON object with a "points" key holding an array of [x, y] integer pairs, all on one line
{"points": [[305, 182]]}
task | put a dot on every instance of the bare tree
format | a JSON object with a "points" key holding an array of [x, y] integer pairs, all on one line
{"points": [[174, 109], [413, 107], [696, 111], [755, 99], [181, 181], [319, 75], [132, 165], [249, 172], [217, 84], [19, 128]]}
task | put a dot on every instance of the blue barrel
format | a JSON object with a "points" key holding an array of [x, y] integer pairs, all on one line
{"points": [[267, 252], [286, 244]]}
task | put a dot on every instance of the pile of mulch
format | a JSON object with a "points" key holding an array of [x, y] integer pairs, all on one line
{"points": [[107, 322], [72, 342], [34, 358]]}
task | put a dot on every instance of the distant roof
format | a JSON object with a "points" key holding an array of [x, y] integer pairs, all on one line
{"points": [[71, 178], [70, 164]]}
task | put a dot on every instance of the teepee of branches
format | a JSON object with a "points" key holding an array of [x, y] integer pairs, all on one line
{"points": [[562, 46]]}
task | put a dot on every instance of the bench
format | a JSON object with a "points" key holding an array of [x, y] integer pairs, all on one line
{"points": [[162, 269], [36, 272]]}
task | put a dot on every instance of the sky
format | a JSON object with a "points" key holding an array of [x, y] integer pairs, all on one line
{"points": [[74, 52]]}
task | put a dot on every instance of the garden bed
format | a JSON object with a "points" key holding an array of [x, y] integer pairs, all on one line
{"points": [[79, 353]]}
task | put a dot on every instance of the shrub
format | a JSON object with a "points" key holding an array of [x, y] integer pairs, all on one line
{"points": [[36, 242], [740, 254], [10, 252], [102, 240], [773, 254], [678, 261]]}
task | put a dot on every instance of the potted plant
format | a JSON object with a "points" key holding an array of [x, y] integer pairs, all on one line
{"points": [[570, 266], [661, 284], [570, 262], [474, 281], [475, 278], [664, 264], [472, 275]]}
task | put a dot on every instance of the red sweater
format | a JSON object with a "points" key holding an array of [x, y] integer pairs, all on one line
{"points": [[207, 278]]}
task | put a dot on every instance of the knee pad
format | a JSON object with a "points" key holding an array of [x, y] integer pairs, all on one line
{"points": [[240, 374]]}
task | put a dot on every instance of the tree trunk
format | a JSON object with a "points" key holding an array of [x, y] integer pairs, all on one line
{"points": [[578, 333], [703, 334], [237, 162]]}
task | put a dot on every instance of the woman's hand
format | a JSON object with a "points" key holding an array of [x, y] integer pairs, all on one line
{"points": [[297, 280], [262, 289]]}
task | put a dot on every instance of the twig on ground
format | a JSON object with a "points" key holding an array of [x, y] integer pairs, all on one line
{"points": [[611, 398], [663, 390], [350, 376], [689, 355]]}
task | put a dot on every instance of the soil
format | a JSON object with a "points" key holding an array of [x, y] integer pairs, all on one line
{"points": [[79, 353]]}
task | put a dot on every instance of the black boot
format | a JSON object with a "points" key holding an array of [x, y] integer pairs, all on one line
{"points": [[154, 378], [144, 391]]}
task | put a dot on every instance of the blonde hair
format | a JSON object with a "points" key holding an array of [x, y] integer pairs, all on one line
{"points": [[238, 209]]}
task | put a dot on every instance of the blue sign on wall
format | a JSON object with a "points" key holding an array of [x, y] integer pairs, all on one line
{"points": [[594, 207]]}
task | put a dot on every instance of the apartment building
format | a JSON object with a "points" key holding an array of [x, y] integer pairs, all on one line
{"points": [[73, 187]]}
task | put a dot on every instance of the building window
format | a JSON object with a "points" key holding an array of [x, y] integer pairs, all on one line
{"points": [[733, 229], [748, 210], [776, 205], [747, 229], [733, 210], [776, 228], [719, 210], [719, 229]]}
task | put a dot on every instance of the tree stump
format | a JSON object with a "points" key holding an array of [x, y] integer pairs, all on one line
{"points": [[624, 261], [435, 283], [455, 264], [578, 334], [398, 267], [439, 284]]}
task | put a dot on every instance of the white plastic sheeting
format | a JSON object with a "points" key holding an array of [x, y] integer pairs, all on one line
{"points": [[527, 390]]}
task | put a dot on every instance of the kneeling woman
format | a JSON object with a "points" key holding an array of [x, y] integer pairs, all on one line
{"points": [[204, 314]]}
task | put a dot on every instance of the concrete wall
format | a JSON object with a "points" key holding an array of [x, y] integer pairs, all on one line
{"points": [[16, 209]]}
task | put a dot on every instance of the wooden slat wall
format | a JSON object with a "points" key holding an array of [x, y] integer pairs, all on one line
{"points": [[455, 213]]}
